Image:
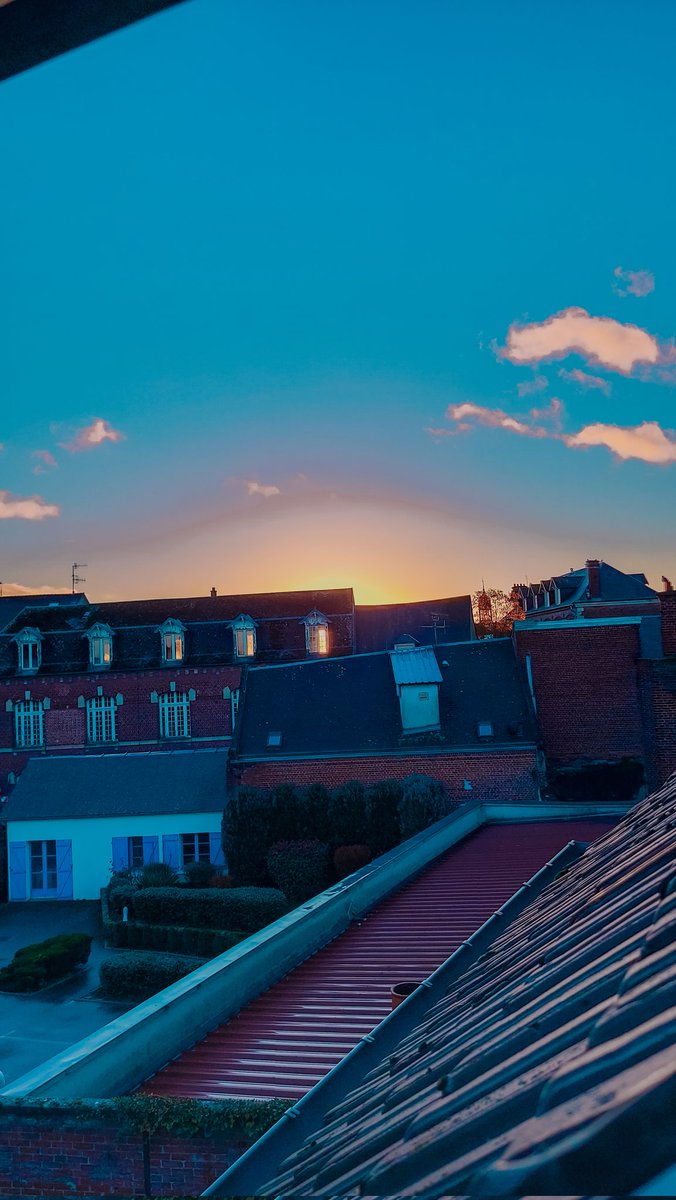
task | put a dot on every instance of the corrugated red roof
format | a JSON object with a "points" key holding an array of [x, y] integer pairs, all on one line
{"points": [[291, 1035]]}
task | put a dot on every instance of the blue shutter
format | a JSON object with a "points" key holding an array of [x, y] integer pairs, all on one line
{"points": [[120, 854], [151, 850], [170, 849], [17, 870], [216, 850], [64, 871]]}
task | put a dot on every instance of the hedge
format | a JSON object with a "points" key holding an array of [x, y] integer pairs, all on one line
{"points": [[137, 976], [176, 939], [300, 869], [423, 801], [36, 965], [247, 909]]}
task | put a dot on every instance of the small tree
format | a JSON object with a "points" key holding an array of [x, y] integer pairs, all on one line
{"points": [[347, 814], [247, 835], [382, 818], [423, 801], [495, 612]]}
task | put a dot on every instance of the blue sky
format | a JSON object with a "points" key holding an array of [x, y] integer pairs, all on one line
{"points": [[254, 253]]}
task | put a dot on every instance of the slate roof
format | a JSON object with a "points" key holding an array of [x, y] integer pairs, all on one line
{"points": [[11, 606], [119, 785], [209, 642], [350, 704], [613, 586], [549, 1067], [430, 622]]}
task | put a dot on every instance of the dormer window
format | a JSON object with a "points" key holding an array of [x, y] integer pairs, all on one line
{"points": [[100, 645], [173, 641], [29, 648], [244, 636], [316, 632]]}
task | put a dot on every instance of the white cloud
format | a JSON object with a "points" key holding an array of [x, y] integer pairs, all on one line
{"points": [[601, 340], [93, 435], [253, 488], [29, 508], [647, 441], [637, 283], [20, 589], [46, 460]]}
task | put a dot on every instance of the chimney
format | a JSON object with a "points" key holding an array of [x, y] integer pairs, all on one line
{"points": [[214, 593], [594, 575]]}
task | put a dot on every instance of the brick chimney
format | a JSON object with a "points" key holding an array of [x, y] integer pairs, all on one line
{"points": [[214, 593], [594, 575]]}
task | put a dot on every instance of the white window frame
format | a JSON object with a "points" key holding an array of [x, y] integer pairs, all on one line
{"points": [[29, 648], [316, 633], [100, 646], [173, 641], [174, 710], [101, 719], [29, 723], [244, 636], [197, 856]]}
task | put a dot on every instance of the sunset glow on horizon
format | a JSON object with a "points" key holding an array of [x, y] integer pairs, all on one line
{"points": [[354, 296]]}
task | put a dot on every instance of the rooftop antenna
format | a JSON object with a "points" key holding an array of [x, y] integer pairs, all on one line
{"points": [[75, 578]]}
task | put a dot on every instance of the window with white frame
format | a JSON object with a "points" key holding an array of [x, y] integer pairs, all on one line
{"points": [[244, 634], [100, 645], [29, 726], [174, 715], [101, 712], [28, 643], [316, 633], [195, 847], [173, 641]]}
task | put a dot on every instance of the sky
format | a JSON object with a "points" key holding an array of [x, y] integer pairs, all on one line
{"points": [[341, 292]]}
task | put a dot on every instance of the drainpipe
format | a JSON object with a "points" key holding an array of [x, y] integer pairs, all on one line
{"points": [[261, 1162]]}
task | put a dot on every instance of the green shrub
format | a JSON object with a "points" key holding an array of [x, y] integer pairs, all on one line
{"points": [[137, 976], [313, 813], [158, 875], [346, 814], [174, 939], [382, 817], [347, 859], [423, 801], [120, 896], [211, 908], [299, 869], [246, 837], [34, 966], [198, 874], [590, 782]]}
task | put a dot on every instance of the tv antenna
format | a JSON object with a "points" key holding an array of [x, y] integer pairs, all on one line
{"points": [[75, 578]]}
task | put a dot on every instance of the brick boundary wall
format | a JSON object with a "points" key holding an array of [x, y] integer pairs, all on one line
{"points": [[506, 776], [663, 695], [668, 607], [47, 1151]]}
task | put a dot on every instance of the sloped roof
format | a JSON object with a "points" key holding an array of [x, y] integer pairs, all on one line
{"points": [[350, 704], [430, 622], [549, 1068], [415, 666], [119, 785], [48, 603]]}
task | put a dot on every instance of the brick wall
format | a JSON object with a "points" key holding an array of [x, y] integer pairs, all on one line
{"points": [[70, 1154], [503, 776], [586, 688], [663, 693], [137, 718], [668, 606]]}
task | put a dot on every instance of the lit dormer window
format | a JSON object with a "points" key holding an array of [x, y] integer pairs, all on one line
{"points": [[100, 645], [173, 641], [316, 633], [244, 636], [29, 648]]}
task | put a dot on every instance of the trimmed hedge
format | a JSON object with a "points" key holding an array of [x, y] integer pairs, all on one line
{"points": [[247, 909], [423, 801], [175, 939], [39, 964], [137, 976], [300, 869]]}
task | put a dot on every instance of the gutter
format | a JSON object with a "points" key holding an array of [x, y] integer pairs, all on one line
{"points": [[250, 1174]]}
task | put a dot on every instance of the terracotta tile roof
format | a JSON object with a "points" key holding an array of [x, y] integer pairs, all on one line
{"points": [[549, 1068], [291, 1035]]}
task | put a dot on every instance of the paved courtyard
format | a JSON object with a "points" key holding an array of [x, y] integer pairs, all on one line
{"points": [[33, 1028]]}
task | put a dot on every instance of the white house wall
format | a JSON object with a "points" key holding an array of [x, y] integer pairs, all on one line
{"points": [[92, 838]]}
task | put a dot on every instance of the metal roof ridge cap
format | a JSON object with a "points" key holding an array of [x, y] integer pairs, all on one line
{"points": [[246, 1175]]}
